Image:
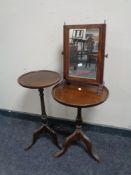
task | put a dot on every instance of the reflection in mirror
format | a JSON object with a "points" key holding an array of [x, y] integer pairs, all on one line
{"points": [[83, 52]]}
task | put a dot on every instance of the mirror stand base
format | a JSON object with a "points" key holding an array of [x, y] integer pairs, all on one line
{"points": [[99, 87]]}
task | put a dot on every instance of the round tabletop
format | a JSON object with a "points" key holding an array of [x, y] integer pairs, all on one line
{"points": [[78, 95], [39, 79]]}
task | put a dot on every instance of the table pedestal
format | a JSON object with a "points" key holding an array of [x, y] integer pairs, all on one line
{"points": [[78, 135], [44, 127]]}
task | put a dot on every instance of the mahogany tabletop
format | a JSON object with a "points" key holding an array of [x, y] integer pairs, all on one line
{"points": [[78, 95], [39, 79]]}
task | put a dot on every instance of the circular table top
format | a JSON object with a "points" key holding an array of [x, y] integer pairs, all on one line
{"points": [[78, 95], [39, 79]]}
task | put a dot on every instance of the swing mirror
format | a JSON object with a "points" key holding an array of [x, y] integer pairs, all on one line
{"points": [[84, 47]]}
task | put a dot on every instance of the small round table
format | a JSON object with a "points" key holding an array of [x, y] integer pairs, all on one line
{"points": [[39, 80], [78, 96]]}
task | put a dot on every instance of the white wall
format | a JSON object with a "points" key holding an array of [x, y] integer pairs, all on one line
{"points": [[31, 38]]}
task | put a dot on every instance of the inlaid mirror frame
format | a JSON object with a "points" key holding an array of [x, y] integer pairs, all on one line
{"points": [[100, 58]]}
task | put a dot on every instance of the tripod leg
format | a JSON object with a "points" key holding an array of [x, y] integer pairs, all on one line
{"points": [[54, 136], [66, 144], [35, 137], [88, 144]]}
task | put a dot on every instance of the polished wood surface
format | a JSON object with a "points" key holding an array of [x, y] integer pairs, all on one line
{"points": [[39, 79], [78, 95]]}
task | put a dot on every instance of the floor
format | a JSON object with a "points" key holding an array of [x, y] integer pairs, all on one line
{"points": [[15, 134]]}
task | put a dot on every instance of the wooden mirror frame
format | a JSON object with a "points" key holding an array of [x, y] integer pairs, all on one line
{"points": [[101, 52]]}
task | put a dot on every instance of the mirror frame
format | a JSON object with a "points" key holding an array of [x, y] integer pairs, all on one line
{"points": [[101, 52]]}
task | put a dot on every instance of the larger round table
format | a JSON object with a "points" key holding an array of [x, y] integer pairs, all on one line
{"points": [[78, 96]]}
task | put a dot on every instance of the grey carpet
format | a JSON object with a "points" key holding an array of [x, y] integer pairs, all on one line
{"points": [[114, 151]]}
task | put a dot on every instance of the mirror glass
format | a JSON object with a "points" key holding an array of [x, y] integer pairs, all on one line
{"points": [[83, 52]]}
